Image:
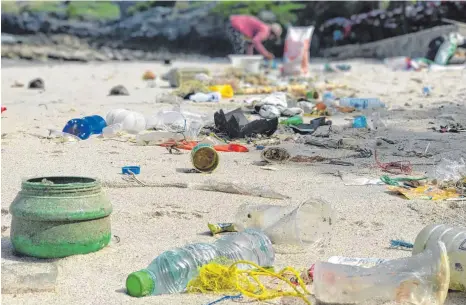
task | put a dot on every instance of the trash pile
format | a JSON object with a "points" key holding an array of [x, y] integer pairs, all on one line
{"points": [[293, 120], [447, 52]]}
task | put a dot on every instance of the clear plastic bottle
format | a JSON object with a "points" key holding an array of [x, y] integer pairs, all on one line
{"points": [[361, 103], [398, 63], [171, 271], [420, 279]]}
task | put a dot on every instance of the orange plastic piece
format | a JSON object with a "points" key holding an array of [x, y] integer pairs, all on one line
{"points": [[189, 145]]}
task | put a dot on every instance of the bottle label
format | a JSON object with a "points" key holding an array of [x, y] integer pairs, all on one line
{"points": [[356, 261]]}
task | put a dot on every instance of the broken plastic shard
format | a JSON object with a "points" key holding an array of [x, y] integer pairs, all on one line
{"points": [[62, 136], [28, 277], [240, 189]]}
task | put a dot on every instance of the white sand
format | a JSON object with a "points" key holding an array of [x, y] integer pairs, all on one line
{"points": [[367, 219]]}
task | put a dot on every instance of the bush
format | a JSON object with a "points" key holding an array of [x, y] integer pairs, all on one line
{"points": [[284, 11], [95, 10]]}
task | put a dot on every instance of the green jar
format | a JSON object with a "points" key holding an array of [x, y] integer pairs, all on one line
{"points": [[60, 216]]}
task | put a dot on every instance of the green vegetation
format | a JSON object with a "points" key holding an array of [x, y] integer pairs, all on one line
{"points": [[284, 11], [141, 6], [10, 7], [96, 10], [145, 5], [32, 6], [101, 10]]}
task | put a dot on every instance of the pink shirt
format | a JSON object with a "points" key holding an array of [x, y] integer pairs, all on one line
{"points": [[252, 28]]}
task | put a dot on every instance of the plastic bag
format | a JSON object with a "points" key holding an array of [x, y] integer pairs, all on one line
{"points": [[449, 170], [296, 54]]}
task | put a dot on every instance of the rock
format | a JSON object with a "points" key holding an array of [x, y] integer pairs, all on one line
{"points": [[36, 83], [267, 16], [119, 90]]}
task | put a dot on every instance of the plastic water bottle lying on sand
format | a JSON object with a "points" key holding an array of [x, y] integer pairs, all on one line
{"points": [[422, 279], [171, 271], [84, 127], [361, 103]]}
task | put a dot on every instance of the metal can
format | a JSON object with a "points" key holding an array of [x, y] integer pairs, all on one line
{"points": [[204, 158], [454, 239]]}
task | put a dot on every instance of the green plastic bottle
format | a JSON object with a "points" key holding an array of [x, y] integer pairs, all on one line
{"points": [[294, 120]]}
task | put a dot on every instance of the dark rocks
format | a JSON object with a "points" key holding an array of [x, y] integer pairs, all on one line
{"points": [[36, 83], [193, 29], [119, 90]]}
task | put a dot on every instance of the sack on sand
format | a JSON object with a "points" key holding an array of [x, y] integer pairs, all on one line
{"points": [[296, 55]]}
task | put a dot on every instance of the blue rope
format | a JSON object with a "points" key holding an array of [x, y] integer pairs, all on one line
{"points": [[395, 243], [227, 297]]}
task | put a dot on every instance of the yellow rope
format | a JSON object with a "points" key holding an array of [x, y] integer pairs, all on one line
{"points": [[217, 278]]}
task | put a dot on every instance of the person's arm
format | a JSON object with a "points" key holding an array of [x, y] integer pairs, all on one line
{"points": [[257, 43]]}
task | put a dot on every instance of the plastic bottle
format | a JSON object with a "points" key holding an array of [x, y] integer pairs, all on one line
{"points": [[421, 279], [455, 242], [361, 103], [85, 127], [206, 97], [294, 120], [171, 271], [446, 51], [112, 130], [360, 122], [398, 63]]}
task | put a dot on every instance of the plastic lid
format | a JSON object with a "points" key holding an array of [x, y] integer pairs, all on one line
{"points": [[139, 284]]}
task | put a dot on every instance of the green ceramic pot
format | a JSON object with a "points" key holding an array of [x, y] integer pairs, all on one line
{"points": [[60, 216]]}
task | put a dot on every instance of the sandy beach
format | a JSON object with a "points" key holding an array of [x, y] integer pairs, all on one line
{"points": [[368, 217]]}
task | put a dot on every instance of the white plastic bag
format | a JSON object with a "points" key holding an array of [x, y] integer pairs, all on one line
{"points": [[296, 55]]}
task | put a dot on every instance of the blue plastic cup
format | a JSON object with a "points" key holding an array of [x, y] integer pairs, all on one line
{"points": [[360, 122], [86, 126]]}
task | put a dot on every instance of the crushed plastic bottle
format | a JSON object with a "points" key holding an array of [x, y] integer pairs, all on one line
{"points": [[361, 103], [171, 271], [421, 279], [293, 229], [112, 130]]}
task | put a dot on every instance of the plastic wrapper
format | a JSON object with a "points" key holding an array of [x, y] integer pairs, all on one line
{"points": [[450, 170], [422, 279]]}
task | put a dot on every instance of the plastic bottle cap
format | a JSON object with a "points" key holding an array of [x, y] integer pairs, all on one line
{"points": [[139, 284]]}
